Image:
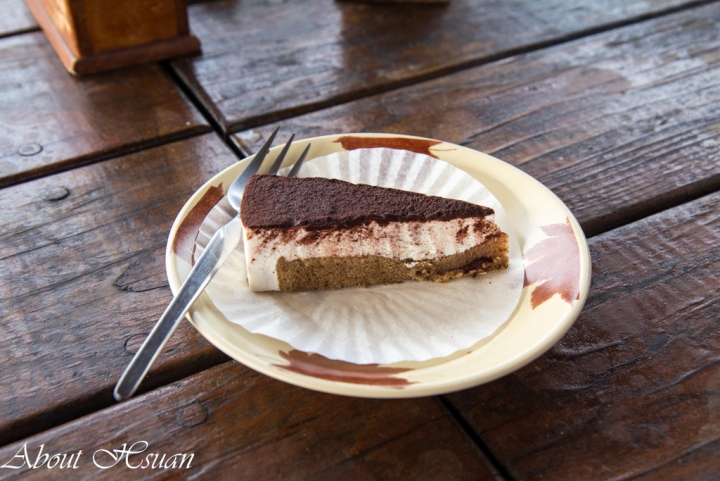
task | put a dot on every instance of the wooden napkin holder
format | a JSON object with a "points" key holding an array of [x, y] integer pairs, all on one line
{"points": [[97, 35]]}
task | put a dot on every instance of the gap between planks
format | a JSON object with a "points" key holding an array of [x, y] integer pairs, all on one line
{"points": [[200, 107], [19, 32], [501, 474]]}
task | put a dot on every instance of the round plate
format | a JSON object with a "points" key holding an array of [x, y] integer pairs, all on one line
{"points": [[557, 271]]}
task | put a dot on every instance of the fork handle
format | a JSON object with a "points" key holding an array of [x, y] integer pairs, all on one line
{"points": [[218, 250]]}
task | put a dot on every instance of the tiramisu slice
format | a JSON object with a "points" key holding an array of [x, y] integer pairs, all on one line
{"points": [[318, 233]]}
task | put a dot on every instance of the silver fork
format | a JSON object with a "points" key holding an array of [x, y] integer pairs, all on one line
{"points": [[216, 253]]}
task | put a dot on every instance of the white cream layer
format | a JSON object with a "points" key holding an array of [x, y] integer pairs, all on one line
{"points": [[409, 242]]}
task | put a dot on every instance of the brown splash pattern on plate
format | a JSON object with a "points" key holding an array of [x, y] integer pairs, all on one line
{"points": [[315, 365], [183, 244], [556, 264], [419, 146]]}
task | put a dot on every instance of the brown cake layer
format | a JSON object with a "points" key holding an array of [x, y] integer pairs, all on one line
{"points": [[320, 273], [276, 201]]}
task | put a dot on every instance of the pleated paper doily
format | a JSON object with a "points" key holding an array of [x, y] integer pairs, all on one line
{"points": [[412, 321]]}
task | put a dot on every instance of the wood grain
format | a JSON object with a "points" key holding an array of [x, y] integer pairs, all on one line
{"points": [[242, 425], [619, 125], [15, 18], [634, 387], [50, 121], [82, 281], [263, 61]]}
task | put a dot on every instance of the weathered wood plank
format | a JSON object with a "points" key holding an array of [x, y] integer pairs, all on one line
{"points": [[267, 60], [619, 125], [82, 281], [634, 387], [16, 18], [241, 425], [50, 120]]}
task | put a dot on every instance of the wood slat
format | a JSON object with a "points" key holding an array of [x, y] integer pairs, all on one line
{"points": [[50, 120], [267, 60], [619, 125], [15, 18], [242, 425], [633, 389], [83, 280]]}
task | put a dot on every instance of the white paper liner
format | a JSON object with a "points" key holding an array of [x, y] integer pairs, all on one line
{"points": [[412, 321]]}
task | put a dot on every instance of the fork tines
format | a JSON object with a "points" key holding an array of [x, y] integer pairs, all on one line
{"points": [[254, 165]]}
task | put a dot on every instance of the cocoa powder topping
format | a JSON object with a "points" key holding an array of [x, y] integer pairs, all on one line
{"points": [[319, 203]]}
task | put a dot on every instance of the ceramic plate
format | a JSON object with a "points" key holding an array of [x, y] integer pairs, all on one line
{"points": [[557, 279]]}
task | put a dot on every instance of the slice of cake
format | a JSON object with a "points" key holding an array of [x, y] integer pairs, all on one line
{"points": [[317, 233]]}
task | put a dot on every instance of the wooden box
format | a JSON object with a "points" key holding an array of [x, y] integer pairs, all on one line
{"points": [[97, 35]]}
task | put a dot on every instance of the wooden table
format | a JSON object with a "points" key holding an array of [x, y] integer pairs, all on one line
{"points": [[614, 106]]}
